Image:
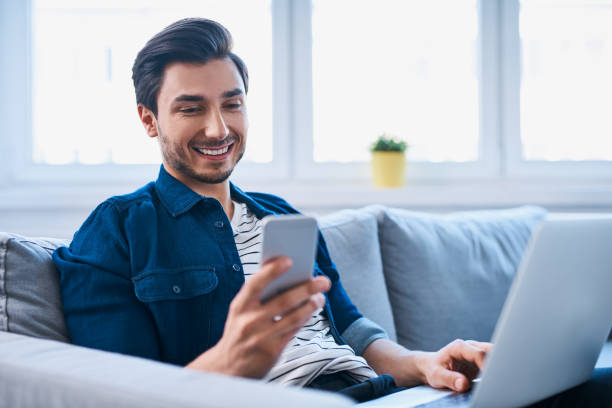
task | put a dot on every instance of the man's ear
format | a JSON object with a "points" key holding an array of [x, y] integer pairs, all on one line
{"points": [[148, 120]]}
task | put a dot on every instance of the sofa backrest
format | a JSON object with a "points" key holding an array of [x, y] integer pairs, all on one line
{"points": [[29, 287], [425, 278]]}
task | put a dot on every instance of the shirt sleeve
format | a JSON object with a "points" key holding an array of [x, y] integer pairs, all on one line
{"points": [[99, 302], [361, 333]]}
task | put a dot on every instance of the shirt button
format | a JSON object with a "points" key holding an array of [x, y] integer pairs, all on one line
{"points": [[176, 289], [236, 267], [219, 224]]}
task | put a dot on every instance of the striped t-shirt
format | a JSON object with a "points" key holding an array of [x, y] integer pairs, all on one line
{"points": [[313, 350]]}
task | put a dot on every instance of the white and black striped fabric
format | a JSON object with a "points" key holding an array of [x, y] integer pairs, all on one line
{"points": [[313, 350]]}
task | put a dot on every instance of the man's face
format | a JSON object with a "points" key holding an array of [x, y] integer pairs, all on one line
{"points": [[202, 120]]}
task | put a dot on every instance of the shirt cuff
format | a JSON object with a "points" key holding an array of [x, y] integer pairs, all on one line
{"points": [[361, 333]]}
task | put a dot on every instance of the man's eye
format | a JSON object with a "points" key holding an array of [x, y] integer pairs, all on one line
{"points": [[234, 105], [190, 110]]}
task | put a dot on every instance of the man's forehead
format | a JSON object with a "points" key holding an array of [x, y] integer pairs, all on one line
{"points": [[218, 78]]}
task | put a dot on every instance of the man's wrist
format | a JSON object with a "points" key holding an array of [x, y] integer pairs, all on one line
{"points": [[408, 367], [412, 369], [210, 361], [422, 363]]}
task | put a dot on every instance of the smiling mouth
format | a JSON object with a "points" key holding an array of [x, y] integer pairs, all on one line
{"points": [[215, 154]]}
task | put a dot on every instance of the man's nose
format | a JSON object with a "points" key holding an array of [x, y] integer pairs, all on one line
{"points": [[215, 126]]}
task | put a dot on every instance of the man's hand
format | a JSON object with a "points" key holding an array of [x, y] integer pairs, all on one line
{"points": [[255, 334], [455, 365]]}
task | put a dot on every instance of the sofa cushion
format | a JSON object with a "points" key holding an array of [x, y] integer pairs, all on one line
{"points": [[448, 275], [30, 301], [352, 239]]}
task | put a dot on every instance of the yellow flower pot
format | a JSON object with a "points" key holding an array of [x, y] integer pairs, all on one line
{"points": [[388, 168]]}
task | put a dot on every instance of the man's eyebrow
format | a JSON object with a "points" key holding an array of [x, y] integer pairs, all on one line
{"points": [[200, 98], [189, 98], [232, 93]]}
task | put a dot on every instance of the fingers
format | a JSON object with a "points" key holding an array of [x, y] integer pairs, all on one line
{"points": [[450, 379], [294, 320], [268, 271], [480, 344], [458, 363], [279, 333], [285, 302], [467, 351], [281, 305]]}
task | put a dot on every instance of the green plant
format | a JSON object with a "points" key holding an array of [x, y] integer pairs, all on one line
{"points": [[388, 143]]}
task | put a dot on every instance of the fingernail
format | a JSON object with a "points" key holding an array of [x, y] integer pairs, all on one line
{"points": [[320, 300], [458, 383]]}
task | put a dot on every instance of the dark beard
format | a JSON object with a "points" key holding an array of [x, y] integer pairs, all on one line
{"points": [[178, 162], [181, 167]]}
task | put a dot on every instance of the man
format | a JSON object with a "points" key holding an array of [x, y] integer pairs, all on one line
{"points": [[160, 273]]}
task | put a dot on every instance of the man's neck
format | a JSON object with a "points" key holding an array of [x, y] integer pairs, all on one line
{"points": [[220, 191]]}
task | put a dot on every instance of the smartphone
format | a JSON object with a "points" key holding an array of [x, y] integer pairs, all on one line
{"points": [[293, 236]]}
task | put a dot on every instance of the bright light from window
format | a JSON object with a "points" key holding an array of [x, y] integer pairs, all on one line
{"points": [[566, 89], [84, 108], [404, 67]]}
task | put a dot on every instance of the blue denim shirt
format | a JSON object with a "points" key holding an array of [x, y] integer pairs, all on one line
{"points": [[152, 274]]}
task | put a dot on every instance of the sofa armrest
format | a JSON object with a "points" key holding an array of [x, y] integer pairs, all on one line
{"points": [[46, 373]]}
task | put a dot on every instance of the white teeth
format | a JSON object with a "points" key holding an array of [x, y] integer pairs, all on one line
{"points": [[213, 152]]}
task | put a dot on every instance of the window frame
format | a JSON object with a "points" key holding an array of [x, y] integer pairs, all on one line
{"points": [[500, 177]]}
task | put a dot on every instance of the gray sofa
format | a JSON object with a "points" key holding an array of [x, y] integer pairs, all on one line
{"points": [[427, 279]]}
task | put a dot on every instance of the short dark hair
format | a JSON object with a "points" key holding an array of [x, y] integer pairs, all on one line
{"points": [[191, 40]]}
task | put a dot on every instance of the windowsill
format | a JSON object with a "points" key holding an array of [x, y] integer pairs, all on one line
{"points": [[329, 196], [450, 196]]}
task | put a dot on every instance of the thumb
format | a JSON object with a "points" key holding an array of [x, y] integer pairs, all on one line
{"points": [[453, 380]]}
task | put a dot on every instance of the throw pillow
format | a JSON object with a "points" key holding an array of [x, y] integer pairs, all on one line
{"points": [[448, 275]]}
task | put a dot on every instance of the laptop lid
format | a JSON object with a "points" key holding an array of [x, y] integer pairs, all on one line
{"points": [[556, 317]]}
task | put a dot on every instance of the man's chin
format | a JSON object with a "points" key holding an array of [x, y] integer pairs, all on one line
{"points": [[213, 177], [211, 173]]}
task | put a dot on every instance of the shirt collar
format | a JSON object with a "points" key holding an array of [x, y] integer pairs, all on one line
{"points": [[178, 198], [242, 197]]}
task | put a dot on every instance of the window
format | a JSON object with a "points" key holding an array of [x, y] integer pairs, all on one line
{"points": [[497, 96], [397, 70], [84, 108], [566, 81]]}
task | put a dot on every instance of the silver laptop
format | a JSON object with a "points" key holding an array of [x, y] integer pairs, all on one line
{"points": [[555, 320]]}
